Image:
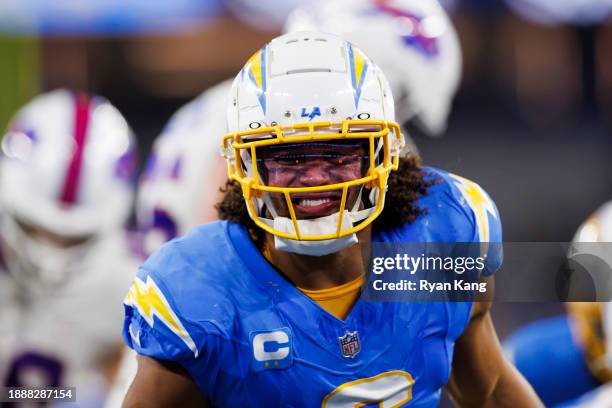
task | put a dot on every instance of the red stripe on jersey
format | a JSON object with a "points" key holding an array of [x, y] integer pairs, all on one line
{"points": [[73, 173]]}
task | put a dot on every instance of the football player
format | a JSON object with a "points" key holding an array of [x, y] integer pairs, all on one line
{"points": [[421, 54], [66, 189], [421, 57], [263, 309], [579, 342]]}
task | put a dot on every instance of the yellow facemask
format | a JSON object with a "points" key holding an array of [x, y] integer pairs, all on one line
{"points": [[384, 141]]}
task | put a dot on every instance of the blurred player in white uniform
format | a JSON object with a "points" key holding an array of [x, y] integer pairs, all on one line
{"points": [[66, 190], [178, 189]]}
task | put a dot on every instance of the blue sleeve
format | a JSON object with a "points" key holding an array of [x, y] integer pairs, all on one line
{"points": [[152, 327], [154, 324], [181, 308]]}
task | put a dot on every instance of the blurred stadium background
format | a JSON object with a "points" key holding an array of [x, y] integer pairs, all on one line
{"points": [[531, 123]]}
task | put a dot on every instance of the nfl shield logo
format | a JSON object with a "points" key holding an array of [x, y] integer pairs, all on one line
{"points": [[349, 344]]}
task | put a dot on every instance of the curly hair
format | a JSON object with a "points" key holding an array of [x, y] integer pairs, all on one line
{"points": [[406, 186]]}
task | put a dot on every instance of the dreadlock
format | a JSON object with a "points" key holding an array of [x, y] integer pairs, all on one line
{"points": [[406, 186]]}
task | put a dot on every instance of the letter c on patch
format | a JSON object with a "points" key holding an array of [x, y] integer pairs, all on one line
{"points": [[277, 341]]}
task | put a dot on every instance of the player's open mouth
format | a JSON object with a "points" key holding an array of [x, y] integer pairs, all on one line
{"points": [[316, 206]]}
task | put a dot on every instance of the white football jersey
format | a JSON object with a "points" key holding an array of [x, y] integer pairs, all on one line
{"points": [[64, 335], [185, 170]]}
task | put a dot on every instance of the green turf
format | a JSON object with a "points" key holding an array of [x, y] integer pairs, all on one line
{"points": [[19, 74]]}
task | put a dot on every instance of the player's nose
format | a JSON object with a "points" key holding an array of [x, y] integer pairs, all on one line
{"points": [[315, 175]]}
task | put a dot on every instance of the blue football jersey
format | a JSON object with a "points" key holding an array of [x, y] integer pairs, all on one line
{"points": [[248, 338]]}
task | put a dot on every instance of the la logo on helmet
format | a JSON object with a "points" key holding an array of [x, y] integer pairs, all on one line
{"points": [[316, 111]]}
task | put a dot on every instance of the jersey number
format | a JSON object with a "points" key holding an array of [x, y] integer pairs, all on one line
{"points": [[390, 389], [33, 369]]}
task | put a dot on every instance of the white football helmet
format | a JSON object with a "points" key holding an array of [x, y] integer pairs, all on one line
{"points": [[412, 41], [66, 177], [297, 93]]}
